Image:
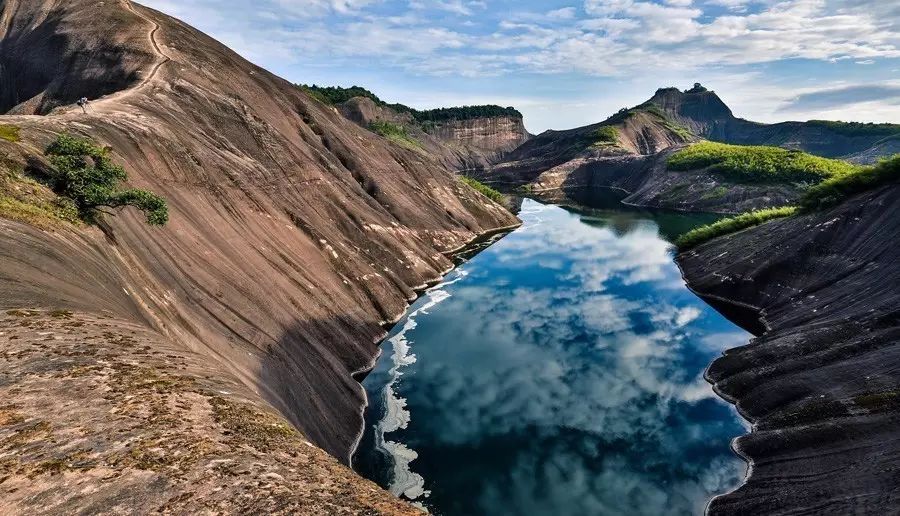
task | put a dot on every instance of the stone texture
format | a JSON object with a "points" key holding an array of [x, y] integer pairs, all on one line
{"points": [[820, 382]]}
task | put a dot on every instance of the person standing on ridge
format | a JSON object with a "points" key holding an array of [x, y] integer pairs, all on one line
{"points": [[82, 103]]}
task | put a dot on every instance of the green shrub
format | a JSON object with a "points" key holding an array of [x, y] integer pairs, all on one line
{"points": [[9, 133], [338, 95], [758, 164], [486, 190], [605, 135], [395, 133], [730, 225], [857, 128], [836, 189], [83, 172]]}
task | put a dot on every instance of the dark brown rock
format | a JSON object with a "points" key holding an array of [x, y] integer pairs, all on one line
{"points": [[820, 382]]}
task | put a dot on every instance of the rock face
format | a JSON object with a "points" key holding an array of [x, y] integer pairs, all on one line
{"points": [[466, 146], [560, 165], [648, 182], [704, 113], [820, 382], [294, 234]]}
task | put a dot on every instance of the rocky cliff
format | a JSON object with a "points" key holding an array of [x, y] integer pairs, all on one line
{"points": [[465, 145], [820, 381], [704, 113], [628, 151], [295, 236]]}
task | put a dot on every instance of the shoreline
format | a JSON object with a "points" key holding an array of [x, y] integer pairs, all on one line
{"points": [[360, 374]]}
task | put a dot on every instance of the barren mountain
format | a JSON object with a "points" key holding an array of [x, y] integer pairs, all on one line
{"points": [[465, 144], [294, 237], [629, 150], [819, 383]]}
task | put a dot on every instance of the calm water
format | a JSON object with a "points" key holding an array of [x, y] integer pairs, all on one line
{"points": [[558, 372]]}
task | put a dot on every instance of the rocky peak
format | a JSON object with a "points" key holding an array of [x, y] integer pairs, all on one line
{"points": [[698, 108]]}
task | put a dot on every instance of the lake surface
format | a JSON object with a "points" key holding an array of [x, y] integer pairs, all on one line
{"points": [[559, 372]]}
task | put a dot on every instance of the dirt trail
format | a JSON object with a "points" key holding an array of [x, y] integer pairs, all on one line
{"points": [[120, 95]]}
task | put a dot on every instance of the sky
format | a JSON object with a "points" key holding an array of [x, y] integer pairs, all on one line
{"points": [[568, 63]]}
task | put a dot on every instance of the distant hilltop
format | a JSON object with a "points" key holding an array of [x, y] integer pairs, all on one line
{"points": [[337, 95]]}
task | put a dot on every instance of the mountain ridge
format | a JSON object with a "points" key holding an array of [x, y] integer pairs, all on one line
{"points": [[295, 236]]}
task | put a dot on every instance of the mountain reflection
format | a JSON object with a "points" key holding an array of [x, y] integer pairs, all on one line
{"points": [[559, 372]]}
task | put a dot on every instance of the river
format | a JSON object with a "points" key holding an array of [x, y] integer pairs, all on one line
{"points": [[558, 372]]}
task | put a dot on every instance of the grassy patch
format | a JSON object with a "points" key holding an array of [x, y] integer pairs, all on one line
{"points": [[486, 190], [246, 424], [731, 225], [24, 200], [605, 135], [759, 164], [857, 128], [716, 193], [836, 189], [9, 133], [878, 401], [395, 133]]}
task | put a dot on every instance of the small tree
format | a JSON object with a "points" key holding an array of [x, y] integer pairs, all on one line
{"points": [[83, 172]]}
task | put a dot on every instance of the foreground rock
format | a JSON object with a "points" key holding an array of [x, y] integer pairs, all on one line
{"points": [[820, 382], [295, 236], [105, 416]]}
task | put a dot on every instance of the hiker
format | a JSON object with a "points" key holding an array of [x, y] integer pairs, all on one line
{"points": [[82, 103]]}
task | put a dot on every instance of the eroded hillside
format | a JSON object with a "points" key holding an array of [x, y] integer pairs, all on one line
{"points": [[294, 235]]}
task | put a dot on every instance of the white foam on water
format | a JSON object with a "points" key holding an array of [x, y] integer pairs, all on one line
{"points": [[405, 481]]}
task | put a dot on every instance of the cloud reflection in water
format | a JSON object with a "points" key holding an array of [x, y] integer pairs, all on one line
{"points": [[562, 374]]}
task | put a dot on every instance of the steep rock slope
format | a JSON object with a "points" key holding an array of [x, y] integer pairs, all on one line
{"points": [[647, 181], [464, 145], [294, 234], [820, 382], [704, 113], [562, 164], [637, 132]]}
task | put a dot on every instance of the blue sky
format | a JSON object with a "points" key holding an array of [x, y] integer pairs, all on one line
{"points": [[571, 63]]}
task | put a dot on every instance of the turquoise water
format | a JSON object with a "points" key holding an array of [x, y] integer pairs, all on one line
{"points": [[558, 372]]}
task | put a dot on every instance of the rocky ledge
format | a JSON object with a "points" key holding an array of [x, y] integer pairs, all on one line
{"points": [[820, 381]]}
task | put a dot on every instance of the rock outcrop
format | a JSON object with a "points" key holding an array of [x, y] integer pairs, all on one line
{"points": [[704, 113], [295, 236], [558, 165], [466, 145], [820, 381]]}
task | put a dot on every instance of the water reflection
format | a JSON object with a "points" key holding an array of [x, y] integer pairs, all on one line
{"points": [[559, 372]]}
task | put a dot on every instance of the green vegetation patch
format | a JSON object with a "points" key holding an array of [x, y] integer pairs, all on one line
{"points": [[247, 424], [9, 132], [605, 135], [337, 95], [395, 133], [84, 173], [836, 189], [730, 225], [857, 128], [486, 190], [25, 200], [759, 164]]}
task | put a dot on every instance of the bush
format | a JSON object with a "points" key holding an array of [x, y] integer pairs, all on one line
{"points": [[486, 190], [395, 133], [730, 225], [759, 164], [338, 95], [836, 189], [83, 172], [606, 135], [9, 133], [857, 128]]}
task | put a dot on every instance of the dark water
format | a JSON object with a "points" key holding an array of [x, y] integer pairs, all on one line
{"points": [[558, 372]]}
